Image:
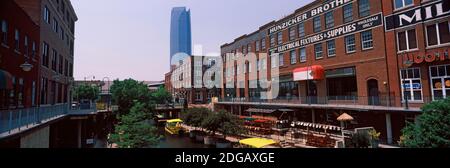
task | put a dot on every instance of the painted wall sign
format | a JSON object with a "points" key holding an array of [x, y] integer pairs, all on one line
{"points": [[421, 14], [315, 11], [357, 26]]}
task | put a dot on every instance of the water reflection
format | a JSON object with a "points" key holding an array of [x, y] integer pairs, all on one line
{"points": [[175, 141]]}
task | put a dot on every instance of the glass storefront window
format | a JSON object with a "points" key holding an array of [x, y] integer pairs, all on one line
{"points": [[411, 84], [440, 81]]}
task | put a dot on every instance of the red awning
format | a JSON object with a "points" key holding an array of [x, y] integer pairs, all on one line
{"points": [[315, 72]]}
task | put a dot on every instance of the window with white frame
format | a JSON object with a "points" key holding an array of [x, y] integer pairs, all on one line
{"points": [[348, 13], [364, 8], [272, 40], [4, 32], [302, 54], [438, 34], [257, 44], [350, 45], [281, 59], [329, 20], [263, 43], [301, 30], [280, 38], [317, 24], [402, 3], [411, 84], [331, 46], [292, 33], [367, 40], [273, 60], [318, 50], [440, 81], [249, 48], [263, 64], [293, 55], [406, 40]]}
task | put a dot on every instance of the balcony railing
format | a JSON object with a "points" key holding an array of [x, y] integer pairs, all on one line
{"points": [[16, 120], [354, 101]]}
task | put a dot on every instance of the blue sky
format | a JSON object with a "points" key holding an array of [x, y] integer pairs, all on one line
{"points": [[130, 38]]}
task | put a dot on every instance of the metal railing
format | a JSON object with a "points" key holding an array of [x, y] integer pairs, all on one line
{"points": [[378, 101], [16, 120]]}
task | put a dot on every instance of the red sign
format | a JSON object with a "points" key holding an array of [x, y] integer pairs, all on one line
{"points": [[428, 57]]}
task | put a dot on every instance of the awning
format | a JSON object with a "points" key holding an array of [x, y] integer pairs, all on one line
{"points": [[257, 142], [5, 80], [286, 110], [315, 72], [313, 125], [265, 111]]}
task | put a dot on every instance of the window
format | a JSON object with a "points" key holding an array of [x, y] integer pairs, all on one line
{"points": [[438, 34], [364, 8], [249, 48], [440, 81], [301, 30], [33, 50], [302, 54], [273, 60], [350, 45], [61, 64], [281, 59], [263, 64], [17, 40], [318, 51], [272, 40], [406, 40], [317, 24], [45, 57], [249, 67], [62, 33], [55, 25], [263, 43], [280, 38], [257, 44], [411, 84], [402, 3], [291, 33], [46, 15], [25, 45], [4, 32], [348, 13], [20, 93], [198, 96], [66, 68], [331, 45], [366, 39], [293, 57], [54, 59], [329, 20]]}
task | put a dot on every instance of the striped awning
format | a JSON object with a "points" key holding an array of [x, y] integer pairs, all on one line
{"points": [[314, 125], [5, 80]]}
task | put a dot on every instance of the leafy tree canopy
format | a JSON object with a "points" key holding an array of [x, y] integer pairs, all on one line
{"points": [[86, 92]]}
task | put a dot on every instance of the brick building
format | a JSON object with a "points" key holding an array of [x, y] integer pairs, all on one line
{"points": [[186, 81], [56, 19], [19, 48], [331, 57]]}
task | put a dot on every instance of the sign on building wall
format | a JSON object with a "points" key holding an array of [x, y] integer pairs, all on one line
{"points": [[432, 11], [354, 27], [313, 12]]}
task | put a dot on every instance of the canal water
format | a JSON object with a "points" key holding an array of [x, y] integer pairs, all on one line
{"points": [[177, 141]]}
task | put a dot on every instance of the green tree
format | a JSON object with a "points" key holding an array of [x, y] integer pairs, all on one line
{"points": [[86, 92], [126, 93], [432, 129], [134, 129], [162, 96], [195, 116], [224, 122]]}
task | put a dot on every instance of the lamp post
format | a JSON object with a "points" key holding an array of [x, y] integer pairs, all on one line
{"points": [[405, 64]]}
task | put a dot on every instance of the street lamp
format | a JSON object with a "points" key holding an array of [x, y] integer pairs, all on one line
{"points": [[26, 66], [405, 64]]}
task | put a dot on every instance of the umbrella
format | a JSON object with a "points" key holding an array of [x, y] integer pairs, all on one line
{"points": [[345, 117]]}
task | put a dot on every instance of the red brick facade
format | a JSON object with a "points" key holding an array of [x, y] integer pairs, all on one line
{"points": [[18, 36]]}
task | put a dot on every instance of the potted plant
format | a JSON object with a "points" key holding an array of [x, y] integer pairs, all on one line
{"points": [[374, 138]]}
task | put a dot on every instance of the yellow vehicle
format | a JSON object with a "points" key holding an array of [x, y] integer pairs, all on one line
{"points": [[174, 127], [257, 143]]}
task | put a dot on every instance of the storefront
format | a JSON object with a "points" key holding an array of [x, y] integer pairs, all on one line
{"points": [[341, 84]]}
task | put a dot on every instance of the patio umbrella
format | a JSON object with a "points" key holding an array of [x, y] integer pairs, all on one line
{"points": [[344, 117]]}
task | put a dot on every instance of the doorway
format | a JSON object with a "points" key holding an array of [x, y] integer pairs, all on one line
{"points": [[373, 92]]}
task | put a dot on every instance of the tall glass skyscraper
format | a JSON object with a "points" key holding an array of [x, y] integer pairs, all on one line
{"points": [[180, 35]]}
